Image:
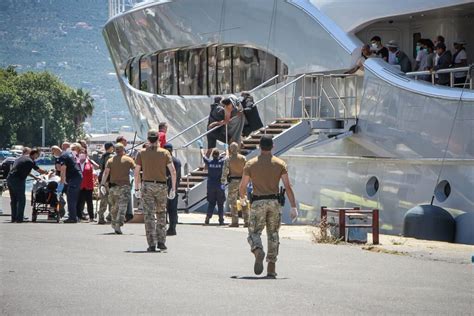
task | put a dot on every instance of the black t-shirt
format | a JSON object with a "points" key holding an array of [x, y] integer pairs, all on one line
{"points": [[103, 161], [383, 53], [22, 168], [73, 170]]}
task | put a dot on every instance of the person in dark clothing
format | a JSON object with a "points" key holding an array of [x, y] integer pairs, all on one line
{"points": [[215, 191], [104, 196], [72, 176], [16, 183], [444, 61], [254, 122], [172, 205], [378, 49], [216, 118]]}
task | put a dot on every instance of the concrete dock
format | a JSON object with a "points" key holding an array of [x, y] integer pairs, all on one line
{"points": [[79, 269]]}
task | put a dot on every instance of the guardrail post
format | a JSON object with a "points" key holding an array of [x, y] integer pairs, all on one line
{"points": [[375, 226], [324, 212], [342, 224]]}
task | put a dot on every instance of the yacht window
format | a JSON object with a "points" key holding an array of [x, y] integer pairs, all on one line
{"points": [[167, 70], [135, 73], [192, 71], [148, 75], [224, 70]]}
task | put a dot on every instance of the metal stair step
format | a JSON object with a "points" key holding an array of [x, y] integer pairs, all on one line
{"points": [[271, 130], [184, 185], [251, 141], [199, 173], [193, 178], [280, 125], [287, 120]]}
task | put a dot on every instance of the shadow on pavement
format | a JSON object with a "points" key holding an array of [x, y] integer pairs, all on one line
{"points": [[255, 278], [143, 251]]}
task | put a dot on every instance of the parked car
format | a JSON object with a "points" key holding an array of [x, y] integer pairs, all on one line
{"points": [[4, 154]]}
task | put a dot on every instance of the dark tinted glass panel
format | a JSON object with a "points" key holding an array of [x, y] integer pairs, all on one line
{"points": [[251, 68], [224, 70], [148, 78], [192, 71], [135, 73], [167, 81], [212, 70]]}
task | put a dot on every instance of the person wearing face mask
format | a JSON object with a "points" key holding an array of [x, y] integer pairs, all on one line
{"points": [[87, 187], [378, 49], [427, 60], [420, 53], [72, 176], [444, 61]]}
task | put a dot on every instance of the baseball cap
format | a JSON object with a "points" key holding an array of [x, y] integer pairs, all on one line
{"points": [[119, 146], [392, 43], [152, 133], [108, 145]]}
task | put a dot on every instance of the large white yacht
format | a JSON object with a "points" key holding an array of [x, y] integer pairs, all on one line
{"points": [[379, 138]]}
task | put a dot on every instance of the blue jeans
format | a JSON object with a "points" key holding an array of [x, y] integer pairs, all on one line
{"points": [[215, 195], [17, 198], [72, 194]]}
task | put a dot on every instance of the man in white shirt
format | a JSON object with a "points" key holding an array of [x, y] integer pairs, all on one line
{"points": [[459, 60]]}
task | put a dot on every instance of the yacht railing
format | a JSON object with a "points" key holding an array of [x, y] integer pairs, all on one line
{"points": [[305, 114], [207, 116], [450, 71]]}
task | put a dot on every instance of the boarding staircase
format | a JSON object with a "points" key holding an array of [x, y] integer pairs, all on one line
{"points": [[287, 133]]}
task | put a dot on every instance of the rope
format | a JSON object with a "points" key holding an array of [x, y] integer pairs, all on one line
{"points": [[450, 135]]}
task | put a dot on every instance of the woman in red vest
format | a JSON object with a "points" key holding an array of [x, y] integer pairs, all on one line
{"points": [[87, 187]]}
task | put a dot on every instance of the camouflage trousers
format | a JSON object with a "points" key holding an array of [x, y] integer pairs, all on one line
{"points": [[265, 213], [154, 196], [118, 199], [232, 197], [104, 202]]}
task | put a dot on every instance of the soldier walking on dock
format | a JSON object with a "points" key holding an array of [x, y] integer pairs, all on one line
{"points": [[265, 172], [232, 173], [153, 161]]}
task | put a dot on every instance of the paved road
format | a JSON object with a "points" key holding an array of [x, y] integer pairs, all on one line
{"points": [[84, 269]]}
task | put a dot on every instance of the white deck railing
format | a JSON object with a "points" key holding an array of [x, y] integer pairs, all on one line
{"points": [[450, 71]]}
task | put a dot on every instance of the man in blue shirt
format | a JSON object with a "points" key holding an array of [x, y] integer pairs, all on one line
{"points": [[72, 176], [16, 183], [215, 192]]}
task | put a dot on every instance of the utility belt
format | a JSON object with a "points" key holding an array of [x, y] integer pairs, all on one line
{"points": [[111, 185], [280, 197], [152, 181], [234, 178]]}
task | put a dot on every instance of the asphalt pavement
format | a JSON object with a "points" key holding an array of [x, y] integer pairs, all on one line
{"points": [[79, 269]]}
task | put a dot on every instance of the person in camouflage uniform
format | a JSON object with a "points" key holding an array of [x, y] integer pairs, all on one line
{"points": [[265, 172], [153, 161], [104, 198], [118, 168], [232, 173]]}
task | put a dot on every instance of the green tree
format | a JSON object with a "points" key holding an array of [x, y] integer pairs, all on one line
{"points": [[27, 98]]}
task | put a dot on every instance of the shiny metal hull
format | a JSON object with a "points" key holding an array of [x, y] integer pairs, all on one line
{"points": [[410, 135]]}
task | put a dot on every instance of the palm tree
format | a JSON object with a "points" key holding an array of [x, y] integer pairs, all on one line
{"points": [[82, 108]]}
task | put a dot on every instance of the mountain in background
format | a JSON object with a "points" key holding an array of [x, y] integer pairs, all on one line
{"points": [[65, 38]]}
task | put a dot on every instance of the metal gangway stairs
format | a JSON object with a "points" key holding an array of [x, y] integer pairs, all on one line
{"points": [[317, 108]]}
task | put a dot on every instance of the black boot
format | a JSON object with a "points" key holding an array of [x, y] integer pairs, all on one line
{"points": [[162, 246]]}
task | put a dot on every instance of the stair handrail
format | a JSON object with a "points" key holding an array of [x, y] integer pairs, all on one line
{"points": [[255, 104], [207, 116]]}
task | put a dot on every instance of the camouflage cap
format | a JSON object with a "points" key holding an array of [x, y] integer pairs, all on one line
{"points": [[152, 133], [119, 146]]}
